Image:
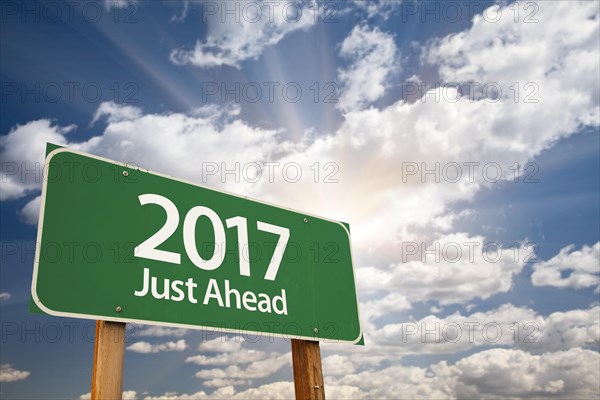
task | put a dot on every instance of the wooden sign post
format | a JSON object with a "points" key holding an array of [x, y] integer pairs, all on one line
{"points": [[109, 350], [308, 372]]}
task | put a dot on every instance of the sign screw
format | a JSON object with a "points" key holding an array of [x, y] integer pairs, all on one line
{"points": [[316, 330], [118, 309], [125, 173], [305, 220]]}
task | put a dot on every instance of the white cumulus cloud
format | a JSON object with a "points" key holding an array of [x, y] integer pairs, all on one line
{"points": [[269, 391], [493, 374], [9, 374], [22, 154], [257, 369], [502, 373], [582, 268], [373, 58], [145, 347], [455, 268], [375, 8], [254, 27], [507, 325], [242, 356], [337, 365], [116, 113], [31, 212], [109, 4], [222, 344], [159, 331]]}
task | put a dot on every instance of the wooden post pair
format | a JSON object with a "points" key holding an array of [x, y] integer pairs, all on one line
{"points": [[109, 351]]}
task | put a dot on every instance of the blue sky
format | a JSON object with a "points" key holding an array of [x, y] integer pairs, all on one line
{"points": [[370, 87]]}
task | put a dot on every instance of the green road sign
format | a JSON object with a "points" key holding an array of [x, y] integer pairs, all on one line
{"points": [[125, 244]]}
